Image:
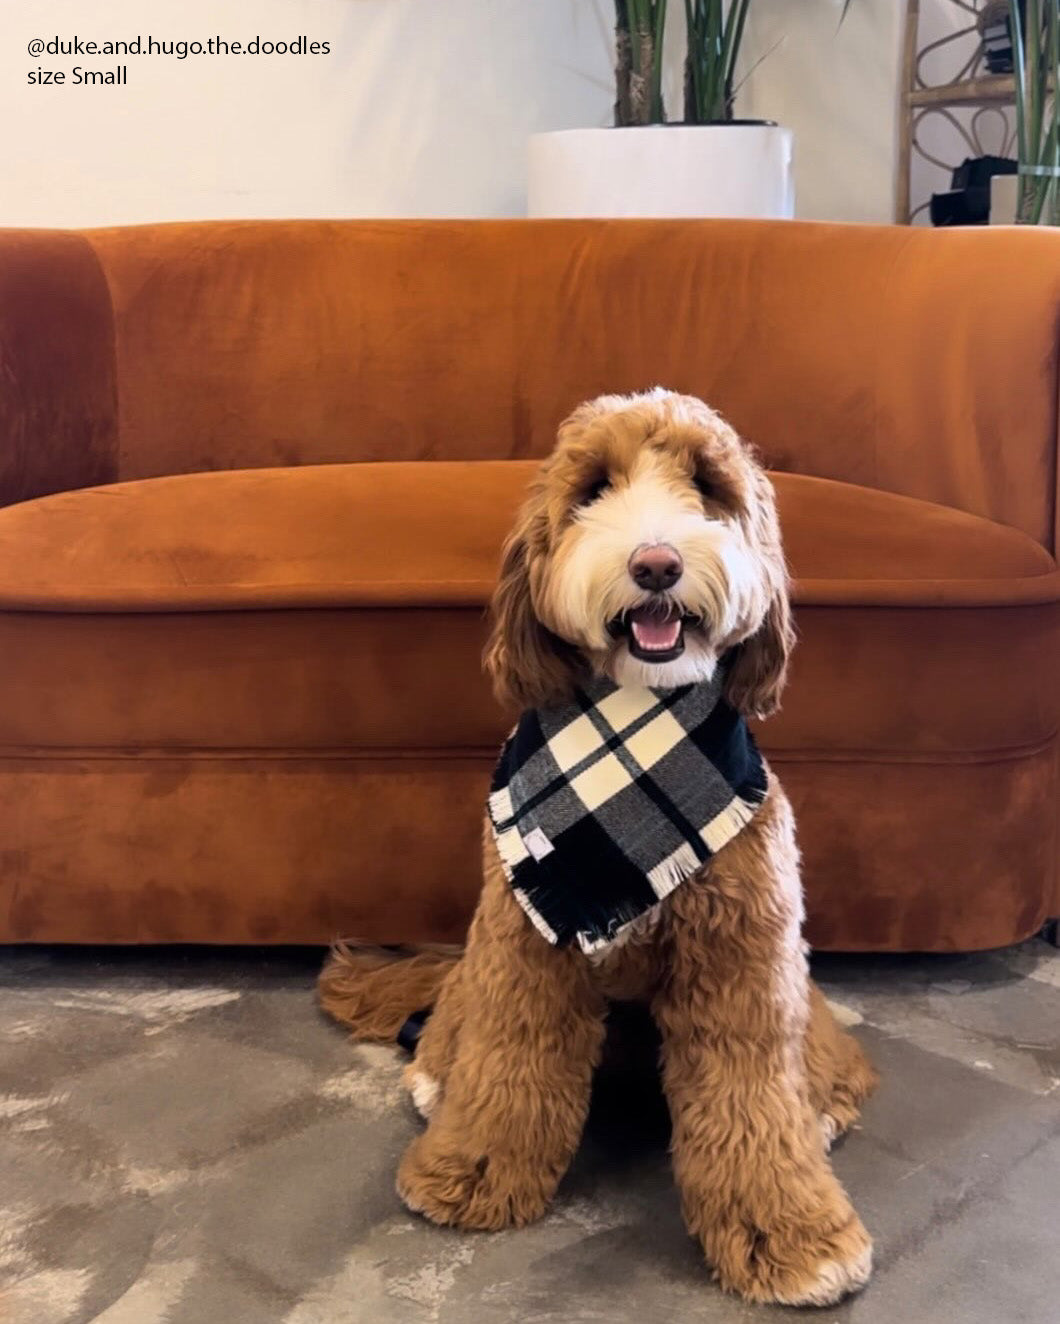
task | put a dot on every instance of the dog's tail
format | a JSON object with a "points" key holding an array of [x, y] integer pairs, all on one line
{"points": [[374, 990]]}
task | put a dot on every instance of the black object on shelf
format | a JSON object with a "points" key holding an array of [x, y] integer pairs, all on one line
{"points": [[968, 202], [995, 31]]}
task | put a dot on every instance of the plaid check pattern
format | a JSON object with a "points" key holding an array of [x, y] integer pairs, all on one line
{"points": [[601, 807]]}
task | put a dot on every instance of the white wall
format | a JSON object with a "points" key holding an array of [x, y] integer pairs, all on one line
{"points": [[421, 109], [837, 87]]}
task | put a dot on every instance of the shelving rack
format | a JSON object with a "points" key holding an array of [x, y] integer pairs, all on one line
{"points": [[972, 88]]}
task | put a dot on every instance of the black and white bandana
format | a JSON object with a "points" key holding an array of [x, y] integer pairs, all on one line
{"points": [[602, 806]]}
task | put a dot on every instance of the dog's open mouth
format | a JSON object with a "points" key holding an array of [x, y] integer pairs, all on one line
{"points": [[652, 634]]}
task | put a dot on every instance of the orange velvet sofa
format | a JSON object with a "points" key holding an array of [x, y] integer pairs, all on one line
{"points": [[254, 478]]}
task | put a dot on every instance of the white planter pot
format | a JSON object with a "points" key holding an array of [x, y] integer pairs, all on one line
{"points": [[664, 170]]}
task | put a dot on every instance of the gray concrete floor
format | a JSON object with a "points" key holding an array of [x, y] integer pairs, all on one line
{"points": [[186, 1141]]}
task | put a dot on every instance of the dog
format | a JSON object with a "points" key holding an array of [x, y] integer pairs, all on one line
{"points": [[647, 558]]}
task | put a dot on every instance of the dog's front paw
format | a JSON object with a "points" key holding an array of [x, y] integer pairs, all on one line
{"points": [[465, 1190], [423, 1088], [812, 1264]]}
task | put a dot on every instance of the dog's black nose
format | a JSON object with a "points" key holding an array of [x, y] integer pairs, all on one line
{"points": [[656, 568]]}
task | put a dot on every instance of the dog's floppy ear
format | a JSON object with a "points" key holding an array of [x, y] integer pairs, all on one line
{"points": [[757, 667], [527, 663]]}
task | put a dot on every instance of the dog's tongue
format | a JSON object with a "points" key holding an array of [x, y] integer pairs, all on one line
{"points": [[652, 631]]}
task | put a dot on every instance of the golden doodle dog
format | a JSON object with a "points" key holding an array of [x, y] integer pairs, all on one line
{"points": [[644, 577]]}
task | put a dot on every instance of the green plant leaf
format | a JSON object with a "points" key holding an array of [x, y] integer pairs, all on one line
{"points": [[734, 38], [1019, 65]]}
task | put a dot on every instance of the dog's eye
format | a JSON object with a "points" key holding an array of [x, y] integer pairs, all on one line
{"points": [[594, 490], [704, 486]]}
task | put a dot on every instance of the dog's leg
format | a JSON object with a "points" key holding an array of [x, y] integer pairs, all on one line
{"points": [[839, 1075], [507, 1123], [756, 1186], [426, 1074]]}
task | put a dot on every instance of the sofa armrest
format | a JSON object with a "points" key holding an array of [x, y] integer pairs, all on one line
{"points": [[916, 361], [58, 397], [967, 408]]}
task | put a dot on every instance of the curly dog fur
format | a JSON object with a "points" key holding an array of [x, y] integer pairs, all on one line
{"points": [[758, 1076]]}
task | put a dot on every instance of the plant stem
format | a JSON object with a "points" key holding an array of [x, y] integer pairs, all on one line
{"points": [[1036, 66], [1053, 67], [733, 42], [1034, 75], [1020, 73], [639, 28], [623, 65], [715, 35], [658, 29]]}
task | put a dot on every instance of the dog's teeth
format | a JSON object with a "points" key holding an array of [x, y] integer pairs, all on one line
{"points": [[656, 636]]}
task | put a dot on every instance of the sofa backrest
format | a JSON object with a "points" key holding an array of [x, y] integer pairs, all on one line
{"points": [[914, 361]]}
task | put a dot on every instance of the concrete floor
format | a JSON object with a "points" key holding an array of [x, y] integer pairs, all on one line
{"points": [[185, 1141]]}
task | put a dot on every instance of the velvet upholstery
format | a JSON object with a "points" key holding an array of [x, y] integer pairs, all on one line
{"points": [[58, 390], [888, 357], [390, 567], [240, 696]]}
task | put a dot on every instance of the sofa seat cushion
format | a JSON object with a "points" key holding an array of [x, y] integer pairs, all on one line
{"points": [[340, 607], [428, 535], [330, 535]]}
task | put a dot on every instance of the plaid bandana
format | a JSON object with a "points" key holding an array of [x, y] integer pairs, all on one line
{"points": [[601, 807]]}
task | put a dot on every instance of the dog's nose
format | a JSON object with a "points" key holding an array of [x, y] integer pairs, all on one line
{"points": [[656, 568]]}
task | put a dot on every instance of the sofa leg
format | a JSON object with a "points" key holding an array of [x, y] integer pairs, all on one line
{"points": [[1051, 932]]}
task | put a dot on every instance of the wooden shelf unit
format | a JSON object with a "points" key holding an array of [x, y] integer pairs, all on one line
{"points": [[916, 99]]}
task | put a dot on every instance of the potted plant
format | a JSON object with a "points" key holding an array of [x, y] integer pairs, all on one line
{"points": [[1035, 26], [711, 164]]}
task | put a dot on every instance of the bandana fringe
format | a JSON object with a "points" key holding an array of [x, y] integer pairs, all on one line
{"points": [[682, 864], [730, 823], [535, 917]]}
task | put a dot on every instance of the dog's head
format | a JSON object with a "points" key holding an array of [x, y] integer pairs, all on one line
{"points": [[647, 550]]}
